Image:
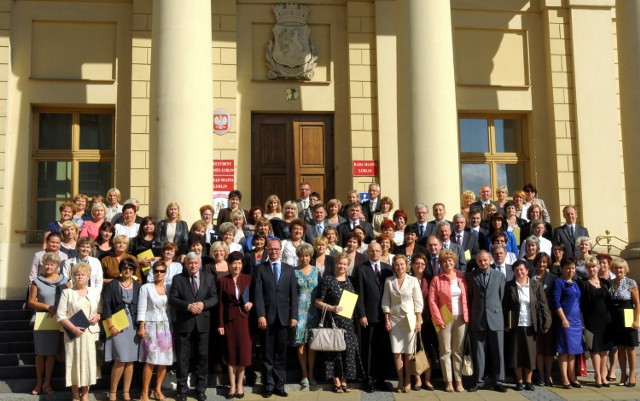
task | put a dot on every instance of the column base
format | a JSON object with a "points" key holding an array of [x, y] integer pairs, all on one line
{"points": [[632, 255]]}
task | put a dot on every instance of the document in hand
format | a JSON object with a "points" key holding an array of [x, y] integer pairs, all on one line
{"points": [[446, 316], [119, 321], [348, 302], [45, 321], [78, 320]]}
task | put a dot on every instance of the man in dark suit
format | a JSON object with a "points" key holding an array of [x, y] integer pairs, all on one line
{"points": [[192, 297], [423, 227], [276, 301], [443, 230], [499, 253], [317, 225], [463, 237], [486, 321], [304, 203], [569, 231], [475, 218], [485, 198], [433, 266], [355, 211], [368, 281], [371, 205], [439, 211]]}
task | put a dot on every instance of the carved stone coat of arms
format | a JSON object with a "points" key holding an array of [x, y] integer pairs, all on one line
{"points": [[291, 55]]}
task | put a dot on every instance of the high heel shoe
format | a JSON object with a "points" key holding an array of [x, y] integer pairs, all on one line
{"points": [[449, 388], [112, 396], [126, 396], [158, 396]]}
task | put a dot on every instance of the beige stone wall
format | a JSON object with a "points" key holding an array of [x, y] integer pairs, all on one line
{"points": [[6, 8], [140, 95], [361, 34]]}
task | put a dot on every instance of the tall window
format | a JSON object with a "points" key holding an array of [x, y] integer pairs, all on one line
{"points": [[493, 151], [73, 153]]}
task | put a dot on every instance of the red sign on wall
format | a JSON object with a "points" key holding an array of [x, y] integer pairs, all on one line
{"points": [[365, 168], [223, 175]]}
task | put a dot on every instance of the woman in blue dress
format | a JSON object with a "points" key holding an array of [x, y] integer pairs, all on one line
{"points": [[566, 302], [307, 280]]}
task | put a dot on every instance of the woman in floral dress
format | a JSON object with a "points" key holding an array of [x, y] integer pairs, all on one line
{"points": [[153, 328], [345, 365], [307, 280]]}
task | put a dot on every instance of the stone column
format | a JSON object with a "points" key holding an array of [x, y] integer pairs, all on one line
{"points": [[427, 114], [181, 138], [628, 24]]}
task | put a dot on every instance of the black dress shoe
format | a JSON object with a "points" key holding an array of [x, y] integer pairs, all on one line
{"points": [[382, 386], [201, 397], [267, 394], [499, 388], [181, 397], [239, 395], [280, 393], [519, 386], [368, 388], [428, 387], [576, 385], [416, 388], [529, 387], [473, 388]]}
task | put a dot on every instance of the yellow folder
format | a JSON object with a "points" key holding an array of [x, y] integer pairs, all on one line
{"points": [[348, 302], [44, 321], [628, 317], [119, 320], [446, 316]]}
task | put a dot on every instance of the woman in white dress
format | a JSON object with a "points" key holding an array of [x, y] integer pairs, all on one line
{"points": [[80, 352], [156, 349], [402, 305]]}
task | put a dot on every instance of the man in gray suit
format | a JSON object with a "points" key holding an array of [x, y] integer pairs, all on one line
{"points": [[443, 230], [499, 253], [317, 225], [485, 198], [486, 321], [570, 231]]}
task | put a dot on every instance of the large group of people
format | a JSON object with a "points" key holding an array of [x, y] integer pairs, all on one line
{"points": [[495, 284]]}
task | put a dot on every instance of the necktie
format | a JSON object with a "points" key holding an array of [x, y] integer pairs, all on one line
{"points": [[194, 285], [354, 224], [446, 245], [434, 265], [377, 270], [276, 271], [459, 239], [319, 230], [304, 204], [421, 230], [485, 278], [571, 231]]}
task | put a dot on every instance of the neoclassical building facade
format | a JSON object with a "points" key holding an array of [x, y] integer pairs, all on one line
{"points": [[182, 100]]}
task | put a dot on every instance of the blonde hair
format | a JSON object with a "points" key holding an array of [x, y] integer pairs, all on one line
{"points": [[65, 226], [171, 204]]}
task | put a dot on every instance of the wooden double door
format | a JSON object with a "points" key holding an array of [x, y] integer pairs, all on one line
{"points": [[287, 150]]}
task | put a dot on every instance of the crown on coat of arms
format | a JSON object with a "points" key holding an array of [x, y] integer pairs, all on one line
{"points": [[291, 14]]}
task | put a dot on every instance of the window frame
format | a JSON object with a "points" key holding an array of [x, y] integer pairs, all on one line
{"points": [[492, 157], [75, 156]]}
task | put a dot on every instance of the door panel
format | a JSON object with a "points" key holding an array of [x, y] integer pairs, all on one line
{"points": [[288, 150]]}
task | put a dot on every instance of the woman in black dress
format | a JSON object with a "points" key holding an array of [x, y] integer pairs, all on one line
{"points": [[345, 365], [594, 303]]}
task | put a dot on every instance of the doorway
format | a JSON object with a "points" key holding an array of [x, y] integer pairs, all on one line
{"points": [[287, 150]]}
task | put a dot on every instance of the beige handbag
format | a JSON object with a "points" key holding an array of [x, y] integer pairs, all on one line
{"points": [[328, 339], [467, 361], [419, 362]]}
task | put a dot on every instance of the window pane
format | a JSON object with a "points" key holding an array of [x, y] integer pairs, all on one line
{"points": [[95, 178], [54, 179], [96, 131], [508, 135], [474, 135], [511, 176], [474, 176], [54, 131], [46, 211]]}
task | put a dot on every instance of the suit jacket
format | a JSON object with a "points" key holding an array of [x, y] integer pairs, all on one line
{"points": [[429, 271], [112, 299], [478, 205], [181, 296], [344, 230], [562, 235], [403, 301], [276, 300], [469, 242], [537, 299], [230, 306], [429, 229], [304, 214], [525, 231], [485, 303], [312, 232], [508, 269], [251, 265], [366, 209], [369, 289], [70, 304], [417, 248]]}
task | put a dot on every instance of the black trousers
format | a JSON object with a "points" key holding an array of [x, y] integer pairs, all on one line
{"points": [[275, 343], [185, 344], [374, 346]]}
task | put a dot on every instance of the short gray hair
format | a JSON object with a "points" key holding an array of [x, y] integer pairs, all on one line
{"points": [[191, 255]]}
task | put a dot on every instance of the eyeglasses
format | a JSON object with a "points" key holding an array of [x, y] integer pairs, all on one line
{"points": [[159, 271], [128, 268]]}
